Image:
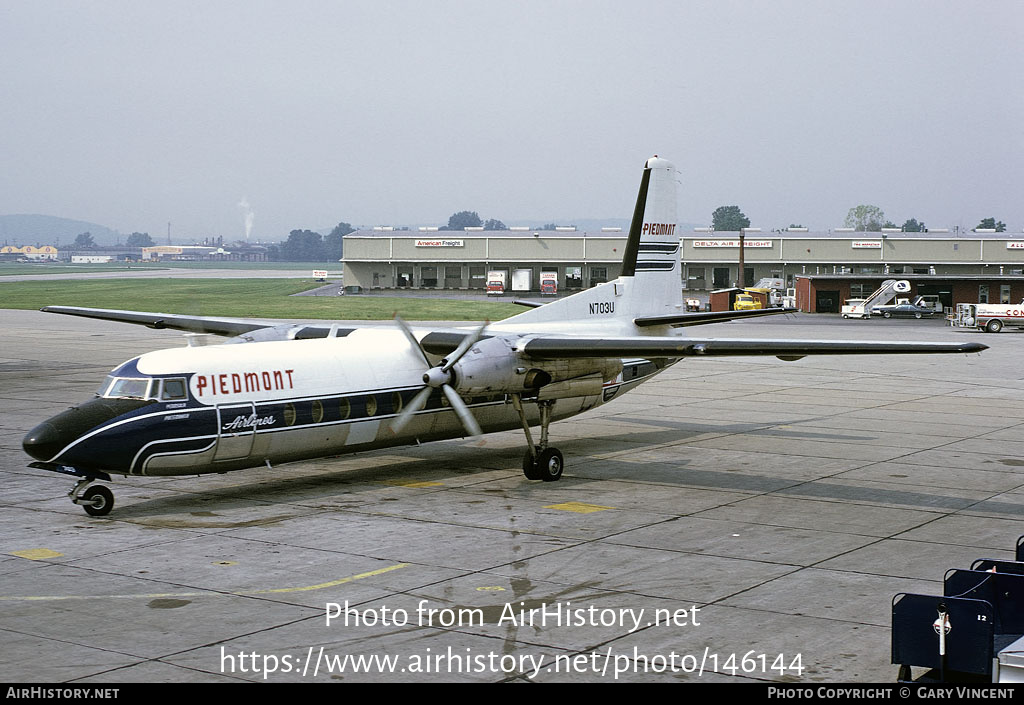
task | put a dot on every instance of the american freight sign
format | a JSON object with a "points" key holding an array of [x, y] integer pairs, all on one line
{"points": [[440, 243]]}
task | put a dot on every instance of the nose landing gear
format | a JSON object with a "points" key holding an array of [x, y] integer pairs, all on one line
{"points": [[96, 501]]}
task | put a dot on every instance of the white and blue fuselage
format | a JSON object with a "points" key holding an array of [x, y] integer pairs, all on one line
{"points": [[197, 410]]}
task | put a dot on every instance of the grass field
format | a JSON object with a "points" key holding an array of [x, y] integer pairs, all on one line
{"points": [[23, 268], [246, 298]]}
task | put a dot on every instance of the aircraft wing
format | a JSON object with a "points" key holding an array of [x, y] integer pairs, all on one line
{"points": [[697, 318], [193, 324], [553, 348]]}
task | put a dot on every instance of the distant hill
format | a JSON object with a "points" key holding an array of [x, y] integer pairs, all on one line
{"points": [[50, 230]]}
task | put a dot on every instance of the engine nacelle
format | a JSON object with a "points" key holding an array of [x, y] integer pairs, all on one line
{"points": [[493, 365]]}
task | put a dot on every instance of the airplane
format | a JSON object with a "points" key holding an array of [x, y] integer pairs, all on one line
{"points": [[274, 393]]}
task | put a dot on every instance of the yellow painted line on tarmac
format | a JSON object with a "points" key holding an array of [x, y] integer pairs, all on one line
{"points": [[578, 507], [57, 598], [333, 583], [206, 593], [36, 554]]}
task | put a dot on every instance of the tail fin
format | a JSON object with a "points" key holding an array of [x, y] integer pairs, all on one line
{"points": [[652, 252], [649, 284]]}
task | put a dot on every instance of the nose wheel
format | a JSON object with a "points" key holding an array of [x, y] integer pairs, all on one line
{"points": [[541, 462], [97, 501]]}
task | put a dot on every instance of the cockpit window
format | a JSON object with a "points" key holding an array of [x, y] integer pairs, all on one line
{"points": [[127, 388], [173, 390]]}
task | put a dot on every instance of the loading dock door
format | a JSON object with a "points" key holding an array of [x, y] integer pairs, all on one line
{"points": [[522, 279], [827, 302], [720, 277]]}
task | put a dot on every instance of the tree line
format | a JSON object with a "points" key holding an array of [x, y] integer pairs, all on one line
{"points": [[862, 218], [300, 246]]}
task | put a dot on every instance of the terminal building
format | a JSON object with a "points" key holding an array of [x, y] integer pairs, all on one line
{"points": [[824, 267]]}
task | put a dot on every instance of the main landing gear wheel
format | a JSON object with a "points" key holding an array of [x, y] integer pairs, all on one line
{"points": [[547, 467], [540, 462], [97, 501]]}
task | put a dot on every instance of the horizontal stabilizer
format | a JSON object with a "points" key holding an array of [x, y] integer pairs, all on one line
{"points": [[698, 318], [193, 324], [553, 348]]}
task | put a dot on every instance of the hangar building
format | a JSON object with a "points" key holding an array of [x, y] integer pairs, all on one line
{"points": [[385, 258], [832, 265]]}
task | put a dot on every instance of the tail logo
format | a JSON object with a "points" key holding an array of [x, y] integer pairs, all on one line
{"points": [[658, 229]]}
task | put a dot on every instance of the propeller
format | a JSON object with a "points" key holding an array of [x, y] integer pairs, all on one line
{"points": [[439, 376]]}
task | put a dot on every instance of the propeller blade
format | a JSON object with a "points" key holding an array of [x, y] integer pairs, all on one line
{"points": [[414, 405], [412, 339], [465, 415], [467, 342]]}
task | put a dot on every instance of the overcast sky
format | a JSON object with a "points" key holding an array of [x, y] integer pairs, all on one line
{"points": [[133, 114]]}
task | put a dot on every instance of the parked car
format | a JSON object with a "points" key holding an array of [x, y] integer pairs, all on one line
{"points": [[902, 310]]}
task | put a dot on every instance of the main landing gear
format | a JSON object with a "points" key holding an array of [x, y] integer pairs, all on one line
{"points": [[540, 462]]}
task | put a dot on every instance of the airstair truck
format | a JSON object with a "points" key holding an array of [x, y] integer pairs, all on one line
{"points": [[862, 308], [988, 317], [854, 308]]}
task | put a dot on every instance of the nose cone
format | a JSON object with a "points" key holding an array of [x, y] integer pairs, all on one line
{"points": [[43, 442], [74, 437]]}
